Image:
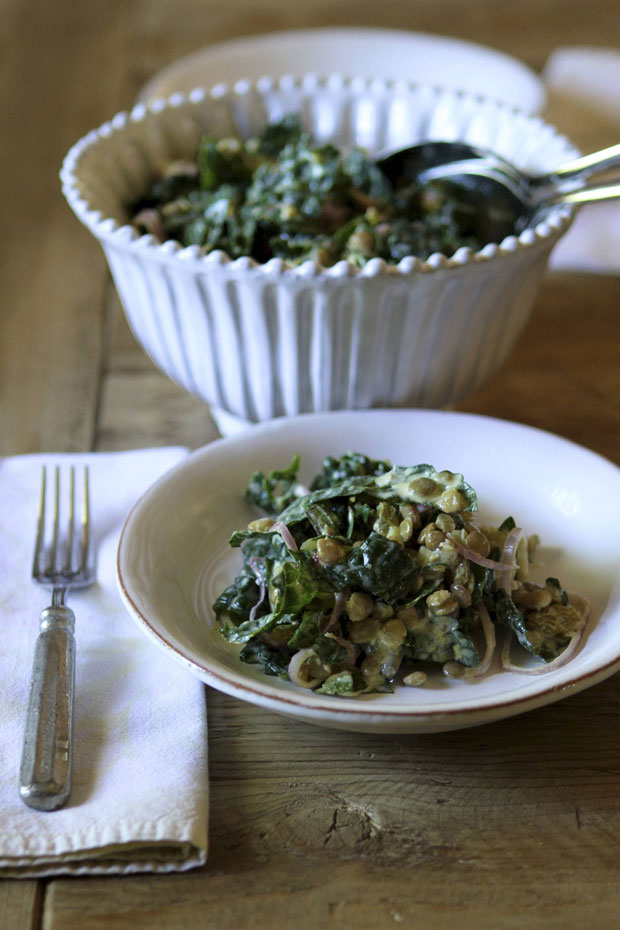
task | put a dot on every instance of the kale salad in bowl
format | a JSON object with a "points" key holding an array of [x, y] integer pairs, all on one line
{"points": [[281, 194], [264, 266], [375, 569]]}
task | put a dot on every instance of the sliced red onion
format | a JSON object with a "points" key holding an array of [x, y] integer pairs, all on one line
{"points": [[341, 600], [509, 555], [151, 221], [456, 670], [581, 604], [254, 562], [295, 666], [423, 509], [473, 556], [285, 533], [351, 648]]}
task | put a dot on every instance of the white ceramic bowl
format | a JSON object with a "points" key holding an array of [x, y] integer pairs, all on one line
{"points": [[398, 54], [174, 559], [263, 341]]}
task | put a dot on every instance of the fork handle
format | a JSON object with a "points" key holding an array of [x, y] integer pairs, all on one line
{"points": [[45, 773]]}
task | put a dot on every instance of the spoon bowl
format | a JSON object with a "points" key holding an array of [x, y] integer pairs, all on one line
{"points": [[495, 198]]}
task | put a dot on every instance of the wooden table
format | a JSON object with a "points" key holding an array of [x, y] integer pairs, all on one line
{"points": [[511, 825]]}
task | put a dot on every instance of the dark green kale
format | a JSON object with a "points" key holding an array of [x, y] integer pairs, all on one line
{"points": [[361, 516], [273, 492], [508, 615], [171, 187], [377, 566], [365, 180], [558, 590], [545, 632], [484, 578], [276, 136], [298, 584], [268, 546], [348, 487], [329, 650], [273, 661], [219, 165], [239, 598], [331, 518], [309, 630], [210, 219], [303, 195], [335, 470], [441, 639], [258, 550]]}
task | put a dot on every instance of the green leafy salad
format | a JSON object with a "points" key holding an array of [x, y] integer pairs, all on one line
{"points": [[281, 195], [376, 570]]}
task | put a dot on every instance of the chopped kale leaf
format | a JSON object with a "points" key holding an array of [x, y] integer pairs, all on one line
{"points": [[274, 491], [509, 615], [273, 661], [348, 465], [378, 567]]}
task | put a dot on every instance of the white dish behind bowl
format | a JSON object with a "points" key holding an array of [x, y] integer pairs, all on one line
{"points": [[174, 558], [262, 341], [392, 53]]}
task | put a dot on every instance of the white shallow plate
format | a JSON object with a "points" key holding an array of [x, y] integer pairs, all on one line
{"points": [[174, 559], [387, 53]]}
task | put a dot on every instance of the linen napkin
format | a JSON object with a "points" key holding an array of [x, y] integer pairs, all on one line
{"points": [[139, 801], [583, 88]]}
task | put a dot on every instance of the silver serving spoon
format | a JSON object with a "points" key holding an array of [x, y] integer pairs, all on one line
{"points": [[504, 199]]}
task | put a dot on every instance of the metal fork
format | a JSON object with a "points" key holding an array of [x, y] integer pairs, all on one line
{"points": [[61, 563]]}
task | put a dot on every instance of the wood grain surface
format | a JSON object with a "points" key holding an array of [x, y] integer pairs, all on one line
{"points": [[511, 825]]}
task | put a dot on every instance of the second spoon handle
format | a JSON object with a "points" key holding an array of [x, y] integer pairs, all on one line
{"points": [[587, 165], [588, 194]]}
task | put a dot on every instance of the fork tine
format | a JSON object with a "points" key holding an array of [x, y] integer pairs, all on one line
{"points": [[53, 550], [85, 520], [71, 521], [38, 546]]}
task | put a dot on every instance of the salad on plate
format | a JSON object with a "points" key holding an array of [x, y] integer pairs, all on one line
{"points": [[378, 574]]}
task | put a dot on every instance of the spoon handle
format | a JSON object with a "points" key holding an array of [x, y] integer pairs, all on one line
{"points": [[588, 194], [587, 165]]}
